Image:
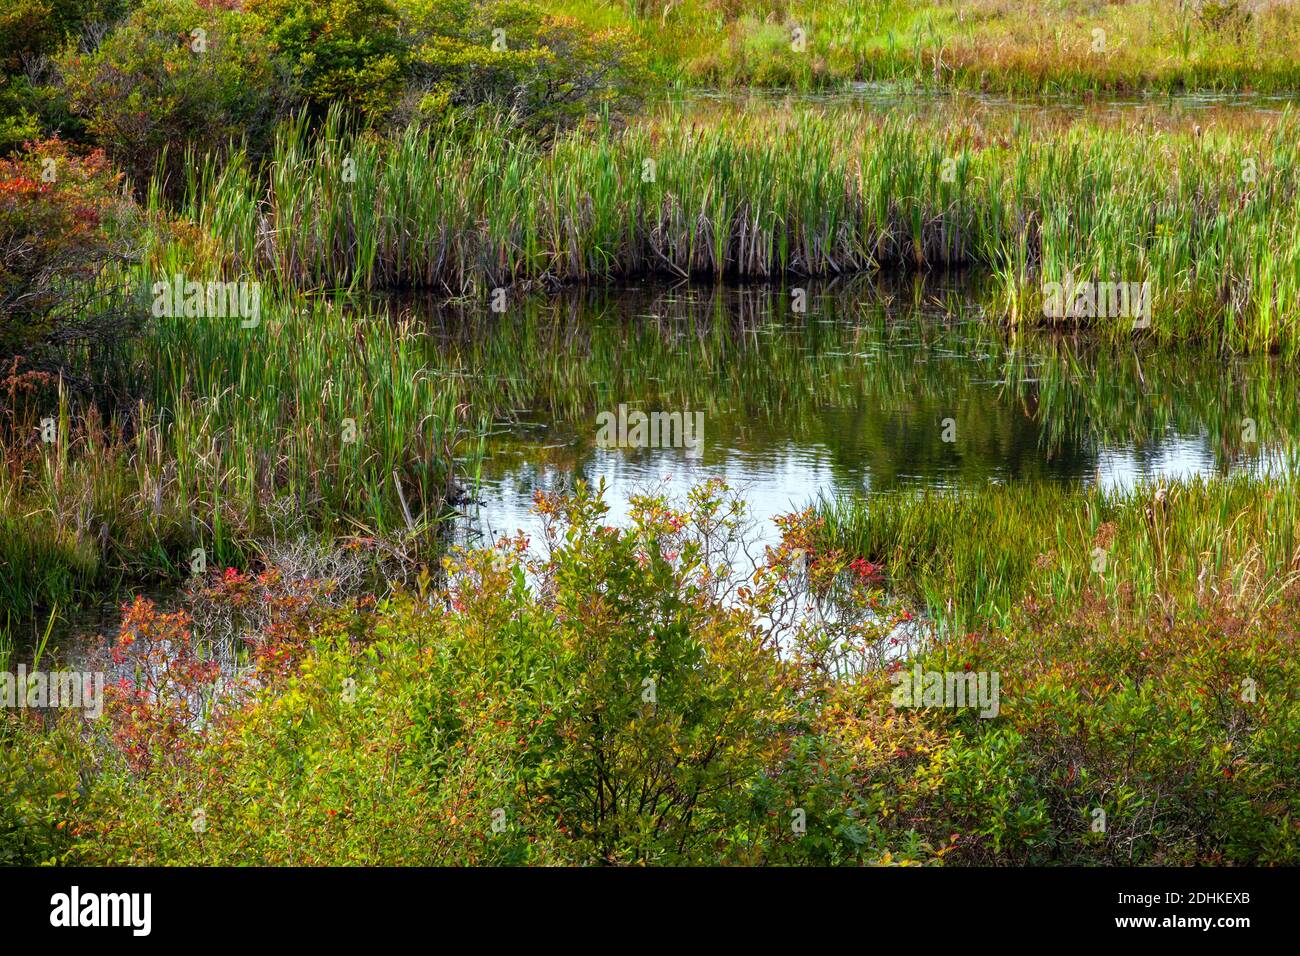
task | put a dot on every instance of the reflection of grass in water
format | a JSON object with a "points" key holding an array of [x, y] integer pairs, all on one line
{"points": [[852, 374], [890, 353], [690, 347], [969, 556], [1119, 397], [8, 644]]}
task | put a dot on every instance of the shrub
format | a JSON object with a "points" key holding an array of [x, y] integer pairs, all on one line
{"points": [[173, 77], [33, 28], [344, 52], [19, 121], [609, 696], [620, 709], [1183, 729], [30, 32], [63, 227], [38, 769], [540, 71]]}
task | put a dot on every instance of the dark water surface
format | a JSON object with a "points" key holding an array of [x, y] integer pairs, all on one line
{"points": [[871, 388]]}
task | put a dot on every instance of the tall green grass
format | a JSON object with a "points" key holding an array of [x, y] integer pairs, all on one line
{"points": [[969, 556], [324, 419], [804, 191]]}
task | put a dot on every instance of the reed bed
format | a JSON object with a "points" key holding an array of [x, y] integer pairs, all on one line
{"points": [[333, 404], [325, 419], [1210, 219], [969, 556], [1029, 47]]}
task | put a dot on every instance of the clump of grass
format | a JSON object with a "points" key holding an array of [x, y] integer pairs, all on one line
{"points": [[809, 192], [324, 418], [969, 556]]}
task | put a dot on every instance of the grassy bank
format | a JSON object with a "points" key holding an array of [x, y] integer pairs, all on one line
{"points": [[969, 556], [1029, 47]]}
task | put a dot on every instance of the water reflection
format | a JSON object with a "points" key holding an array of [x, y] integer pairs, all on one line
{"points": [[873, 387]]}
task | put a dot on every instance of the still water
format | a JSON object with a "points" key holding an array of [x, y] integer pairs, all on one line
{"points": [[869, 388]]}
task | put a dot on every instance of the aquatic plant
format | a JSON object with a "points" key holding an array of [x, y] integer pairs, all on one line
{"points": [[769, 192]]}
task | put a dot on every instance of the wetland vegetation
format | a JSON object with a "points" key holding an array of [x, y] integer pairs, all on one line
{"points": [[310, 309]]}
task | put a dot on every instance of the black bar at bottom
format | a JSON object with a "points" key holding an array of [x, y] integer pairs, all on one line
{"points": [[729, 906]]}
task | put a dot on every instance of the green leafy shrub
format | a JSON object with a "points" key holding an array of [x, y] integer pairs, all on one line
{"points": [[176, 77], [31, 31], [542, 72], [19, 122], [1183, 732], [33, 28], [344, 52], [618, 707], [39, 770]]}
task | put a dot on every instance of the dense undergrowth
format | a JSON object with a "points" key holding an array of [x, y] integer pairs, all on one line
{"points": [[634, 706]]}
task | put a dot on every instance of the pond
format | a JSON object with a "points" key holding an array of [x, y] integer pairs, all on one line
{"points": [[870, 387], [802, 392]]}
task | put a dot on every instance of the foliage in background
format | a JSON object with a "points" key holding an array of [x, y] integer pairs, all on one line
{"points": [[1029, 46], [510, 59], [35, 28], [546, 64], [174, 77], [31, 33]]}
